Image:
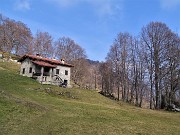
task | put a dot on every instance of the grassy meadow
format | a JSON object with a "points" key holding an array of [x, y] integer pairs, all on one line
{"points": [[29, 108]]}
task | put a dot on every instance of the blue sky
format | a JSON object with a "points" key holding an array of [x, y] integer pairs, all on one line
{"points": [[93, 24]]}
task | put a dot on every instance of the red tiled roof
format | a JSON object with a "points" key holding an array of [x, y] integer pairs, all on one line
{"points": [[44, 64], [45, 60]]}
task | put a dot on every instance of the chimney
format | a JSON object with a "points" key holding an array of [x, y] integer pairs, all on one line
{"points": [[62, 60], [37, 54]]}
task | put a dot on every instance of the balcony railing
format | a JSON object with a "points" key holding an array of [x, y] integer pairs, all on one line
{"points": [[39, 74]]}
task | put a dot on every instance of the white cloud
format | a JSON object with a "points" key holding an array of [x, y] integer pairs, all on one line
{"points": [[65, 3], [169, 4], [22, 5], [107, 7], [101, 7]]}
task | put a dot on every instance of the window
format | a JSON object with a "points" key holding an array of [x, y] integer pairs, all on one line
{"points": [[66, 72], [30, 70], [23, 72], [57, 71]]}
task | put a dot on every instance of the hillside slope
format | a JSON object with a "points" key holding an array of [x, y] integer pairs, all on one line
{"points": [[28, 107]]}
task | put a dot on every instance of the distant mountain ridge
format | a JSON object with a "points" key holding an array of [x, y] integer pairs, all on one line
{"points": [[92, 62]]}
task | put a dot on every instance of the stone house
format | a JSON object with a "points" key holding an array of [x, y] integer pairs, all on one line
{"points": [[45, 70]]}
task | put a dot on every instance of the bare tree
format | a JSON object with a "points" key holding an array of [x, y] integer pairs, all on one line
{"points": [[171, 68], [42, 44], [107, 78], [113, 58], [67, 49], [121, 43], [15, 36], [155, 37]]}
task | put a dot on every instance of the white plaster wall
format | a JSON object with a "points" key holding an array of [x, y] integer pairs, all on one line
{"points": [[62, 73], [27, 64]]}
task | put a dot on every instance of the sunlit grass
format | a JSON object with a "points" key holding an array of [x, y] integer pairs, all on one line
{"points": [[28, 107]]}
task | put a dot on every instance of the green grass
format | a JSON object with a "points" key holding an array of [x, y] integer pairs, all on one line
{"points": [[29, 108]]}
